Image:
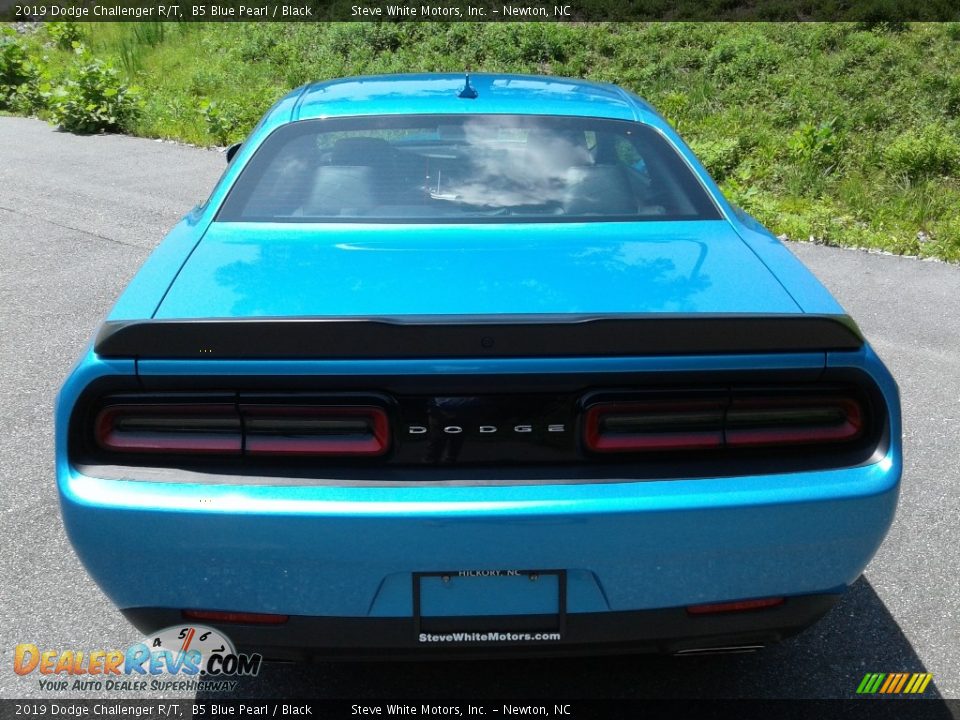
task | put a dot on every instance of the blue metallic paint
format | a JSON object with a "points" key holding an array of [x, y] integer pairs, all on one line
{"points": [[150, 368], [336, 550], [250, 269], [347, 551]]}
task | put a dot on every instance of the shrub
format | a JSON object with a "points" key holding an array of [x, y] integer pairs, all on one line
{"points": [[864, 48], [878, 22], [221, 121], [15, 67], [525, 46], [93, 97], [31, 96], [816, 147], [821, 37], [21, 77], [64, 34], [922, 154], [743, 56], [542, 43]]}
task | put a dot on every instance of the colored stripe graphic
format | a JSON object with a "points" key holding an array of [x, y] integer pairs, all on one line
{"points": [[894, 683], [870, 683], [891, 680], [900, 682], [919, 683]]}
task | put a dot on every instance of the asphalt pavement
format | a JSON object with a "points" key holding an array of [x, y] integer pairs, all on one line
{"points": [[78, 215]]}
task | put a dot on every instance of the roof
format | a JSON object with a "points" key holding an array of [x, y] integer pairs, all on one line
{"points": [[440, 93]]}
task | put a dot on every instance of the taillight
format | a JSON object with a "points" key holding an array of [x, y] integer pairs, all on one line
{"points": [[212, 428], [743, 421], [311, 430], [194, 429], [654, 425], [755, 422]]}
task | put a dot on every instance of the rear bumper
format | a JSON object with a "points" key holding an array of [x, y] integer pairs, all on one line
{"points": [[340, 560], [670, 630], [625, 547]]}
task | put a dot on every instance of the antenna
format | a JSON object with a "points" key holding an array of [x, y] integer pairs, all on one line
{"points": [[468, 91]]}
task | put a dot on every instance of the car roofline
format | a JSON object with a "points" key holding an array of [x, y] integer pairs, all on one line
{"points": [[617, 100]]}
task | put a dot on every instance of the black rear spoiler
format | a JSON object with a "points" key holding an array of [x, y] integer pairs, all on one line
{"points": [[455, 336]]}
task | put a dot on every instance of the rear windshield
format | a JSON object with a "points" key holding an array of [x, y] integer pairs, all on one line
{"points": [[465, 168]]}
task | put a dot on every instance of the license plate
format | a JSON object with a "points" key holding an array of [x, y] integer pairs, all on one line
{"points": [[485, 600]]}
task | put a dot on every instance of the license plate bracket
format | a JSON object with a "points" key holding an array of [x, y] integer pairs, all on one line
{"points": [[490, 600]]}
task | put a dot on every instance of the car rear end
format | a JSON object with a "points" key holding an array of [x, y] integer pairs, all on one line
{"points": [[376, 399], [350, 507]]}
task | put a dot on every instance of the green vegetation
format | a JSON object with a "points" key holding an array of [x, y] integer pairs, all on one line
{"points": [[848, 133], [91, 96], [18, 75]]}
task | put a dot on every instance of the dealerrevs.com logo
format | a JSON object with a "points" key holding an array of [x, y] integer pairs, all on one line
{"points": [[182, 657]]}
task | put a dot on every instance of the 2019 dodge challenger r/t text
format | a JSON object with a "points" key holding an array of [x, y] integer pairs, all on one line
{"points": [[453, 364]]}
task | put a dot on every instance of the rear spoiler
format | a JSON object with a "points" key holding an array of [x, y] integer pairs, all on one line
{"points": [[494, 336]]}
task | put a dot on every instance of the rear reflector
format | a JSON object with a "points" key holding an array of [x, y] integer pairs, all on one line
{"points": [[195, 429], [742, 422], [235, 617], [738, 606], [312, 430]]}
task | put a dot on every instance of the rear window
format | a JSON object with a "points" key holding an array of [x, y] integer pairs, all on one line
{"points": [[465, 168]]}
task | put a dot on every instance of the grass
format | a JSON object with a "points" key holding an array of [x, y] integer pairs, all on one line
{"points": [[846, 133]]}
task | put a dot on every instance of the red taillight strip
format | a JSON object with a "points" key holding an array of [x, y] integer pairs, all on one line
{"points": [[195, 429], [246, 618], [348, 431], [736, 606]]}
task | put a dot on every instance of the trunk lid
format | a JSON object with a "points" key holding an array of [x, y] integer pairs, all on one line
{"points": [[242, 270]]}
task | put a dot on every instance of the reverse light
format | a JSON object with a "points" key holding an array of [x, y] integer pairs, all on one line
{"points": [[350, 431], [654, 425]]}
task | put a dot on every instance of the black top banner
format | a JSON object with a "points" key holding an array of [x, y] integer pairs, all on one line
{"points": [[872, 12]]}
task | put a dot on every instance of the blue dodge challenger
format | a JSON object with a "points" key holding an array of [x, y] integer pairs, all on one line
{"points": [[460, 365]]}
